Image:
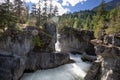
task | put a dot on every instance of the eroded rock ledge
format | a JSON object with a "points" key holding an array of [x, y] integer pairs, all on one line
{"points": [[107, 65]]}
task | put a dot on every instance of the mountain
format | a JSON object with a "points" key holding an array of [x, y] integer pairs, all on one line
{"points": [[109, 5]]}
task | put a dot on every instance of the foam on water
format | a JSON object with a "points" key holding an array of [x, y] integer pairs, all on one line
{"points": [[73, 71]]}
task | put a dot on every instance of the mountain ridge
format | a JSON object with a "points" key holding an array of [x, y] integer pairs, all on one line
{"points": [[109, 5]]}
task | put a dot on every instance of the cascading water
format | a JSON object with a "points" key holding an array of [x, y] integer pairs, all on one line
{"points": [[57, 44], [72, 71]]}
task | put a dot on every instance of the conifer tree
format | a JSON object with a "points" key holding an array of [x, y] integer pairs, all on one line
{"points": [[55, 10], [51, 9]]}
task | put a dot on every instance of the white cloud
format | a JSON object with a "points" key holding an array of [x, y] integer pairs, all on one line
{"points": [[1, 1], [61, 9], [33, 1], [72, 2]]}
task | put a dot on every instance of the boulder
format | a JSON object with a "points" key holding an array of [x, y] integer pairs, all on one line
{"points": [[37, 60], [86, 57]]}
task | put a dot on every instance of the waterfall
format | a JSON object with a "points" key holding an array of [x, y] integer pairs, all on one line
{"points": [[57, 44], [72, 71]]}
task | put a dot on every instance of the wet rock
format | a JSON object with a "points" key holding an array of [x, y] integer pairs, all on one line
{"points": [[89, 58], [94, 71]]}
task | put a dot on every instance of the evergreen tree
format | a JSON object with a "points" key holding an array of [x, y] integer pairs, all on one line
{"points": [[114, 24], [38, 23], [7, 17], [87, 25], [34, 10], [51, 9], [45, 8], [55, 10]]}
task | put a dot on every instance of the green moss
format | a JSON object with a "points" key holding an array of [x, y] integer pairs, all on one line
{"points": [[37, 41]]}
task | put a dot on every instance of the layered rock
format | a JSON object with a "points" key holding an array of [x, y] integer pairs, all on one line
{"points": [[79, 41], [108, 61]]}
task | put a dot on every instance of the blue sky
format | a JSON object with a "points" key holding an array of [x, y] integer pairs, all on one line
{"points": [[72, 5], [89, 4]]}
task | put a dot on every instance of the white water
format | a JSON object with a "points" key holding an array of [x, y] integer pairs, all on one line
{"points": [[57, 44], [73, 71]]}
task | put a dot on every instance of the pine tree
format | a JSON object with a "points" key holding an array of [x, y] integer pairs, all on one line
{"points": [[45, 8], [38, 23], [34, 10], [51, 9], [114, 24], [55, 10]]}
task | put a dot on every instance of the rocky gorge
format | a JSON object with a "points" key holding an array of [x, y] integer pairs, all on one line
{"points": [[34, 49]]}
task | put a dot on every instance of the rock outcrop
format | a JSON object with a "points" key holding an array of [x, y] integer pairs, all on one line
{"points": [[30, 49], [79, 41], [19, 43], [11, 67], [108, 52], [46, 60], [50, 29]]}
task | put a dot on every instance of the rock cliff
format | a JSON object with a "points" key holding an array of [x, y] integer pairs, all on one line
{"points": [[30, 49], [74, 40], [107, 65]]}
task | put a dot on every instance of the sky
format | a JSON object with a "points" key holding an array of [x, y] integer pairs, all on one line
{"points": [[67, 6]]}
